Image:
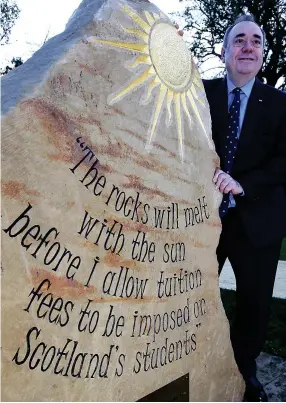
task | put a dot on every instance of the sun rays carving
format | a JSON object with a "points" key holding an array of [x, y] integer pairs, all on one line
{"points": [[169, 71]]}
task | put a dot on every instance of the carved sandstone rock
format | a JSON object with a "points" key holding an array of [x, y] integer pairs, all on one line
{"points": [[110, 219]]}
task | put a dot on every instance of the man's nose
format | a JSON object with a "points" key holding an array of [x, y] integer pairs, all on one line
{"points": [[248, 46]]}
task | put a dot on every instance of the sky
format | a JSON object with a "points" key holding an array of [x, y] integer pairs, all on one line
{"points": [[39, 18]]}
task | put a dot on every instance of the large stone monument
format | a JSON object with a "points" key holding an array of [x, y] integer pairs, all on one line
{"points": [[110, 218]]}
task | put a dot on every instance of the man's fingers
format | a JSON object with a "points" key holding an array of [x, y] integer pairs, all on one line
{"points": [[225, 183], [180, 32], [229, 188], [237, 189], [221, 177], [216, 174]]}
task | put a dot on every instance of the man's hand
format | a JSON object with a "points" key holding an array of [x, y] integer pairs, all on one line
{"points": [[225, 183], [180, 32]]}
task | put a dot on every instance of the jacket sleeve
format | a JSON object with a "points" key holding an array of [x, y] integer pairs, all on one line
{"points": [[273, 173]]}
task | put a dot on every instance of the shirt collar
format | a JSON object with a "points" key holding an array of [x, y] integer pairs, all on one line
{"points": [[246, 88]]}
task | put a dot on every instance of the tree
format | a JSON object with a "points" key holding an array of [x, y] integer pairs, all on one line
{"points": [[9, 13], [16, 62], [209, 19]]}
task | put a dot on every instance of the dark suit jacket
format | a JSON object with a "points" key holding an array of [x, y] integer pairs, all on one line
{"points": [[260, 159]]}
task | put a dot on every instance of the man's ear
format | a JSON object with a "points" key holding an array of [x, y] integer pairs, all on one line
{"points": [[222, 55]]}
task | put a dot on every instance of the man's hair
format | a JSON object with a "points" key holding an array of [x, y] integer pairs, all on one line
{"points": [[241, 18]]}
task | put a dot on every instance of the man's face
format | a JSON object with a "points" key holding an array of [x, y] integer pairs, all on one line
{"points": [[243, 55]]}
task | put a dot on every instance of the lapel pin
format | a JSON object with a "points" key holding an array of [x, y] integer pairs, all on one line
{"points": [[260, 100]]}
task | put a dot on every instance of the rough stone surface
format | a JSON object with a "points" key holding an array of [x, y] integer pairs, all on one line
{"points": [[109, 115]]}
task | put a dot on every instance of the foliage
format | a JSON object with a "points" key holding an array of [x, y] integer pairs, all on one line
{"points": [[16, 62], [208, 19], [9, 13]]}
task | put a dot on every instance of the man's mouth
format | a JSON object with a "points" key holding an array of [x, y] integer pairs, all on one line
{"points": [[246, 58]]}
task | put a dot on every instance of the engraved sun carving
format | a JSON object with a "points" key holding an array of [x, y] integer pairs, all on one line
{"points": [[169, 68]]}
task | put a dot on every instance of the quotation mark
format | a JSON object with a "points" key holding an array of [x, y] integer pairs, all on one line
{"points": [[81, 143], [198, 325]]}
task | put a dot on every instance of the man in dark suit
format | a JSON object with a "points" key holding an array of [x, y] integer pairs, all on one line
{"points": [[249, 132]]}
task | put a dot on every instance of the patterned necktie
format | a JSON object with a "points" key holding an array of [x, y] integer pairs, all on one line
{"points": [[231, 144]]}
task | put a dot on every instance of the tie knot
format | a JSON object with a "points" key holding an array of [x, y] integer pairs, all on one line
{"points": [[236, 90]]}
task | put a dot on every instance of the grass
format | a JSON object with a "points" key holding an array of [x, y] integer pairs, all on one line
{"points": [[276, 337], [283, 250]]}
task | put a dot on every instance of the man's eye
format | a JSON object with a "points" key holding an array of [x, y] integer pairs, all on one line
{"points": [[257, 41], [239, 40]]}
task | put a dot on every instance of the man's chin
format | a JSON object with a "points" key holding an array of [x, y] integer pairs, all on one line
{"points": [[247, 71]]}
